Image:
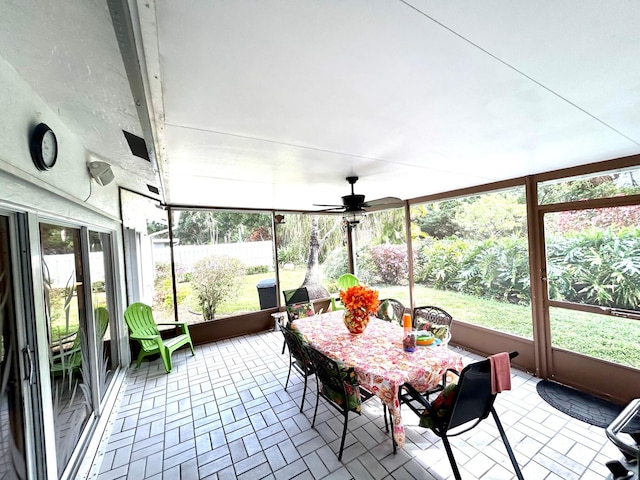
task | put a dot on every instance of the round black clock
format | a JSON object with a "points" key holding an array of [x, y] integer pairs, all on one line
{"points": [[44, 147]]}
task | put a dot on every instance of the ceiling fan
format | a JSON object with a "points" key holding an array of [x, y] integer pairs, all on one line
{"points": [[354, 207]]}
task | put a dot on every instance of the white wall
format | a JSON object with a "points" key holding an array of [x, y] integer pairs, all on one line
{"points": [[21, 110]]}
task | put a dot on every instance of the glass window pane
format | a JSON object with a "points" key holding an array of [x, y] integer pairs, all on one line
{"points": [[471, 259], [101, 297], [593, 256], [589, 187], [12, 445], [70, 375]]}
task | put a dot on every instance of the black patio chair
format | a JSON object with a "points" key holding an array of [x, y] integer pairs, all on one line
{"points": [[296, 295], [391, 310], [298, 360], [292, 297], [337, 384], [461, 408], [430, 317]]}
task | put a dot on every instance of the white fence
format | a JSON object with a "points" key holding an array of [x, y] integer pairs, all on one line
{"points": [[250, 253], [60, 267]]}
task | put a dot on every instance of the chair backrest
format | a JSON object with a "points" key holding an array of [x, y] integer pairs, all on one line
{"points": [[101, 317], [347, 280], [296, 348], [473, 398], [391, 310], [430, 315], [139, 319], [296, 295], [328, 372]]}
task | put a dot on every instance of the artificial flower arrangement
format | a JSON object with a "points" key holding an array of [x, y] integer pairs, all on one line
{"points": [[360, 301], [360, 298]]}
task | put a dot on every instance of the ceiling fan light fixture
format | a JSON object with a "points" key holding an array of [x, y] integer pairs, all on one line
{"points": [[353, 218]]}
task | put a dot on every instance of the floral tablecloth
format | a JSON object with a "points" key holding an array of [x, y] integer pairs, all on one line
{"points": [[380, 364]]}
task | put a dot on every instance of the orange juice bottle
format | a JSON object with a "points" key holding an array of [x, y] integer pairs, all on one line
{"points": [[406, 323]]}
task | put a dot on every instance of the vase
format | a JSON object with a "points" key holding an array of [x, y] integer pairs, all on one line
{"points": [[356, 322]]}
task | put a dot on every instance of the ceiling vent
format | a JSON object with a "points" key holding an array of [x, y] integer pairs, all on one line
{"points": [[137, 145]]}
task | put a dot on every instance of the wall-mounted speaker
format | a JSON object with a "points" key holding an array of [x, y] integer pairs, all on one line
{"points": [[101, 172]]}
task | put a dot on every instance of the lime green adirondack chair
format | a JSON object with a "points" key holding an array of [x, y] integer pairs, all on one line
{"points": [[344, 281], [139, 318], [70, 360]]}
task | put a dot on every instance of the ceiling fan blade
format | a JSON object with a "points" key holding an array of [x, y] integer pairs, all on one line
{"points": [[335, 209], [323, 205], [383, 204]]}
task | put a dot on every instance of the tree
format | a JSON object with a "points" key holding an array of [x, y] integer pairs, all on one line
{"points": [[312, 275], [203, 227], [438, 219]]}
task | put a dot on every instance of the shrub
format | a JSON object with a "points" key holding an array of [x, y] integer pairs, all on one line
{"points": [[438, 263], [214, 279], [258, 269], [391, 263]]}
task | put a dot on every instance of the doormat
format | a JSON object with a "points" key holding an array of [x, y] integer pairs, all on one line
{"points": [[583, 406]]}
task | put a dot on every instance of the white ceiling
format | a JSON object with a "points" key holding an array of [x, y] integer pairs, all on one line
{"points": [[272, 103]]}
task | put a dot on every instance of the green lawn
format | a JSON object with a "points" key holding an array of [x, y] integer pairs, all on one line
{"points": [[600, 336]]}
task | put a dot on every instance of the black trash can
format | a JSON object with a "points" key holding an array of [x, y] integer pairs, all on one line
{"points": [[267, 293]]}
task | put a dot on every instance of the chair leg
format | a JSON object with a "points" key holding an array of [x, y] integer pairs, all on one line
{"points": [[507, 445], [288, 374], [166, 359], [452, 460], [140, 357], [304, 392], [344, 433], [315, 412], [386, 424]]}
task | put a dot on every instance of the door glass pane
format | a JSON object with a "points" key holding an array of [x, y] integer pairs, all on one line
{"points": [[12, 446], [69, 366], [471, 258], [102, 301], [593, 258], [614, 339]]}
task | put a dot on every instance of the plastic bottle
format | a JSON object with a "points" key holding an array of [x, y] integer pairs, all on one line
{"points": [[408, 337]]}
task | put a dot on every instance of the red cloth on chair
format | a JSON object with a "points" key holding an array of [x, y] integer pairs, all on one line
{"points": [[500, 372]]}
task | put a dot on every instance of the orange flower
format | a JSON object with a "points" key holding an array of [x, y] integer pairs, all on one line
{"points": [[360, 299]]}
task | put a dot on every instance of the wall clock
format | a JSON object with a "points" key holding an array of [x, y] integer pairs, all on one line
{"points": [[44, 147]]}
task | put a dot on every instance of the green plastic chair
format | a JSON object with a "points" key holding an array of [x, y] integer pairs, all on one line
{"points": [[71, 360], [344, 281], [139, 319]]}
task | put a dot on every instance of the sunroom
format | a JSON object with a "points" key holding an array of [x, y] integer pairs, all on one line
{"points": [[498, 158]]}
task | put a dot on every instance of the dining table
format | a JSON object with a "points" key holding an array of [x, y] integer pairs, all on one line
{"points": [[379, 361]]}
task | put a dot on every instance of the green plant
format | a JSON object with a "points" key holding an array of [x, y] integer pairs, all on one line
{"points": [[214, 279], [258, 269], [391, 263]]}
